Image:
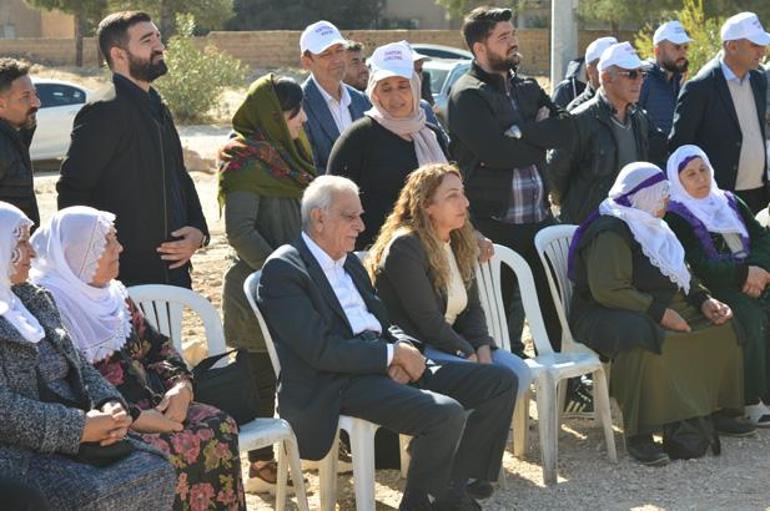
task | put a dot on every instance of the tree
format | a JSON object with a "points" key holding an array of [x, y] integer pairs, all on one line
{"points": [[617, 13], [87, 14], [297, 14], [459, 8], [209, 14]]}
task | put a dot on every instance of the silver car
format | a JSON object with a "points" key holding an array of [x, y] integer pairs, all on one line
{"points": [[443, 74]]}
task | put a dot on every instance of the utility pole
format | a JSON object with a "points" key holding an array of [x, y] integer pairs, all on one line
{"points": [[564, 37]]}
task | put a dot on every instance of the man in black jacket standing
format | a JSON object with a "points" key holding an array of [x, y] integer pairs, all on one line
{"points": [[18, 106], [126, 157], [501, 125]]}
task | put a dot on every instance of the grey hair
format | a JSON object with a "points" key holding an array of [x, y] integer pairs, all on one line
{"points": [[321, 193]]}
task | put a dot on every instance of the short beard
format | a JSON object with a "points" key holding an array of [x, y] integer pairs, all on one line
{"points": [[145, 70], [505, 64], [673, 67], [31, 121]]}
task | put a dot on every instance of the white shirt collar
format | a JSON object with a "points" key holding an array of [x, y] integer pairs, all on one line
{"points": [[344, 96], [324, 260]]}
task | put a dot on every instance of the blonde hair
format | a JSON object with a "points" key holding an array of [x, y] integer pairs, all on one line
{"points": [[409, 215]]}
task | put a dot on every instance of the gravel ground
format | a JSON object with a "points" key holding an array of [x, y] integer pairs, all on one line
{"points": [[739, 479]]}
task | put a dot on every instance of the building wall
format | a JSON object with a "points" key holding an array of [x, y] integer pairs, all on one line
{"points": [[28, 22], [429, 16]]}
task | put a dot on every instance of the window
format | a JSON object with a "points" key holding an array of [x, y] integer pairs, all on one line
{"points": [[54, 94]]}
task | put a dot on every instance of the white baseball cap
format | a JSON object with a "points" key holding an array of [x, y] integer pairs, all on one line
{"points": [[622, 55], [671, 31], [597, 46], [394, 59], [319, 36], [745, 25]]}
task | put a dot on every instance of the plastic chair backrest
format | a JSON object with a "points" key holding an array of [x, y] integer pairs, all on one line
{"points": [[763, 217], [250, 286], [492, 296], [163, 306]]}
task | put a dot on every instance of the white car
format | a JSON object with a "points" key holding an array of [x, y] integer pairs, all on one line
{"points": [[60, 101]]}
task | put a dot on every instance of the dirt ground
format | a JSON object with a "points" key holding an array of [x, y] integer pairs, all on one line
{"points": [[737, 480]]}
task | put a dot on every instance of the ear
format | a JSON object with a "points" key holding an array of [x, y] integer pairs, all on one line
{"points": [[317, 217], [117, 54], [478, 49], [306, 61]]}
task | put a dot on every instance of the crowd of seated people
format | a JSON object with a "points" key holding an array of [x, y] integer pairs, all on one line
{"points": [[97, 408]]}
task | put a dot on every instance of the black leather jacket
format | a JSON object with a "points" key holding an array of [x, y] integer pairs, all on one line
{"points": [[16, 185]]}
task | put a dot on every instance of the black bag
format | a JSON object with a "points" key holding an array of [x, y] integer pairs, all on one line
{"points": [[103, 455], [232, 388], [691, 438]]}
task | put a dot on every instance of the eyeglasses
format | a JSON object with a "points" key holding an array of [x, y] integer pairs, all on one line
{"points": [[633, 74]]}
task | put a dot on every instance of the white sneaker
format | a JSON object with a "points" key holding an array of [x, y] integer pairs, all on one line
{"points": [[758, 414]]}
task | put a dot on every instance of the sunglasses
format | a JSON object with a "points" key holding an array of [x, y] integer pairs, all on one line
{"points": [[633, 74]]}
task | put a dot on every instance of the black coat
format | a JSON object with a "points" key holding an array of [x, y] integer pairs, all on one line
{"points": [[314, 341], [480, 110], [705, 116], [16, 183], [127, 159]]}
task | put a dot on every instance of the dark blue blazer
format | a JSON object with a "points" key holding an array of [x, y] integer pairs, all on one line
{"points": [[705, 116], [320, 127]]}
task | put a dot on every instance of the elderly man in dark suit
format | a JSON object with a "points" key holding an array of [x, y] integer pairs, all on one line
{"points": [[340, 355], [722, 110], [330, 105]]}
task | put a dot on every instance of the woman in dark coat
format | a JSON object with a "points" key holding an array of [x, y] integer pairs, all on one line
{"points": [[674, 354], [730, 252], [55, 408], [379, 150]]}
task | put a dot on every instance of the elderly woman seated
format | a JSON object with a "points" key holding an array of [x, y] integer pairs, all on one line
{"points": [[730, 252], [62, 426], [78, 263], [676, 363]]}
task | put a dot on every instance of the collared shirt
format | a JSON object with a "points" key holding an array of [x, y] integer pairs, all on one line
{"points": [[729, 75], [353, 305], [340, 110]]}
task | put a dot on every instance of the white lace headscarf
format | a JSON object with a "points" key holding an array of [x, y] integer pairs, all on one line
{"points": [[14, 225], [68, 253], [640, 191]]}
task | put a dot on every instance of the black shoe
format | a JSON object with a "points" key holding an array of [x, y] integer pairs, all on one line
{"points": [[644, 450], [415, 501], [580, 399], [732, 426], [479, 489], [455, 502]]}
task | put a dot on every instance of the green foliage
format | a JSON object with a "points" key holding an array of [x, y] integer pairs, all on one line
{"points": [[617, 13], [209, 14], [297, 14], [196, 79], [702, 29]]}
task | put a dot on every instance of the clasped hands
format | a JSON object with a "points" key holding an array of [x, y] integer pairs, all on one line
{"points": [[170, 413], [407, 365], [714, 310], [756, 280]]}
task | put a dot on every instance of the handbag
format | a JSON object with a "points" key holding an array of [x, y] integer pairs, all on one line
{"points": [[232, 388], [691, 438]]}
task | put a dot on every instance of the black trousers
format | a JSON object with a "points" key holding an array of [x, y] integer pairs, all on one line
{"points": [[521, 239], [756, 199], [448, 444]]}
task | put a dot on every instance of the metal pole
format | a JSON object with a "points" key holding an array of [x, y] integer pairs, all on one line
{"points": [[564, 37]]}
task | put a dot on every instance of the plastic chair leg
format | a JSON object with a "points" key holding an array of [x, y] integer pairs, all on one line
{"points": [[561, 395], [327, 475], [292, 453], [406, 458], [362, 447], [547, 411], [280, 492], [521, 426], [604, 413]]}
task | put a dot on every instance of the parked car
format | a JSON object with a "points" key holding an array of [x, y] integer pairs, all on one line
{"points": [[439, 51], [60, 101], [443, 74]]}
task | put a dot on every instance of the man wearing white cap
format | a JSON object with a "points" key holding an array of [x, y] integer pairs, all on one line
{"points": [[593, 52], [611, 132], [665, 74], [722, 110], [330, 105]]}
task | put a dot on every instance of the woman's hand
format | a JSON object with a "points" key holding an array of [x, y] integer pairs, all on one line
{"points": [[673, 321], [484, 354], [716, 311], [105, 427], [152, 421], [756, 280], [486, 248], [176, 401]]}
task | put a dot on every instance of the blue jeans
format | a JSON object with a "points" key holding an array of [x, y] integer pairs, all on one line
{"points": [[500, 357]]}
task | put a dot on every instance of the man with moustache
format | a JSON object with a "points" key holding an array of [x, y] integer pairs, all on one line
{"points": [[500, 126], [126, 158], [18, 106], [356, 72], [665, 74], [722, 111]]}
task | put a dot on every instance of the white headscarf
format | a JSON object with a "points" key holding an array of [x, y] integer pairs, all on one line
{"points": [[714, 210], [68, 253], [639, 191], [13, 225], [413, 128]]}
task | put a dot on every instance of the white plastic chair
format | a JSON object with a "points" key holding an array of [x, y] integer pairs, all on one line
{"points": [[163, 307], [763, 217], [548, 367], [361, 433]]}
